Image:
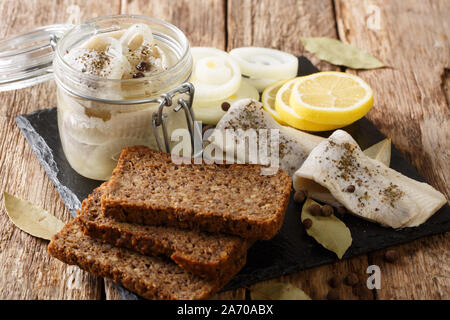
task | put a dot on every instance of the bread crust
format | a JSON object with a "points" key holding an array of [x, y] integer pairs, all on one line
{"points": [[149, 277]]}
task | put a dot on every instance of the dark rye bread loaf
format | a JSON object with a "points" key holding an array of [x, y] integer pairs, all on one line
{"points": [[208, 255], [149, 277], [147, 188]]}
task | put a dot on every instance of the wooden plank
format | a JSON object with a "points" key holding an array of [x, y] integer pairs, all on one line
{"points": [[203, 22], [279, 25], [28, 272], [412, 107]]}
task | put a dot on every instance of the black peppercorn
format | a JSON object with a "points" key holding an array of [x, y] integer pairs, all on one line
{"points": [[143, 66], [138, 75], [225, 106]]}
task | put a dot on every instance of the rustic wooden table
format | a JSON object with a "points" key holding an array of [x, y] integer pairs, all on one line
{"points": [[411, 106]]}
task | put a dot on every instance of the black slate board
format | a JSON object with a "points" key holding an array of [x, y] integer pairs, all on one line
{"points": [[291, 250]]}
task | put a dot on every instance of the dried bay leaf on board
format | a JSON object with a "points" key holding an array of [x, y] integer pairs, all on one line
{"points": [[30, 218], [277, 291], [339, 53], [330, 232], [380, 151]]}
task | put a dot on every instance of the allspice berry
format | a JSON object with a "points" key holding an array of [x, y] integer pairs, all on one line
{"points": [[299, 196], [341, 210], [334, 282], [333, 294], [327, 210], [351, 279], [391, 256], [307, 223], [315, 209]]}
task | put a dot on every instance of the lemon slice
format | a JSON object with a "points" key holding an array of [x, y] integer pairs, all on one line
{"points": [[331, 98], [268, 100], [289, 116]]}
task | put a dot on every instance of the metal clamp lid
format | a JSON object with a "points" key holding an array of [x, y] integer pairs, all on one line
{"points": [[159, 118], [26, 59]]}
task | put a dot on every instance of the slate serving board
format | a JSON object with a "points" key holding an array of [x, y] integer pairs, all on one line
{"points": [[292, 249]]}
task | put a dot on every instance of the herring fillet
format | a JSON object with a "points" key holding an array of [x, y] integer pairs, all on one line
{"points": [[381, 194], [245, 114], [380, 151]]}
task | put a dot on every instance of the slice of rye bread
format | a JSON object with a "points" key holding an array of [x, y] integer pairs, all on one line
{"points": [[149, 277], [148, 188], [205, 254]]}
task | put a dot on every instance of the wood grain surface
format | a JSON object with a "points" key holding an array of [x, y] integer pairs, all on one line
{"points": [[411, 106], [27, 271]]}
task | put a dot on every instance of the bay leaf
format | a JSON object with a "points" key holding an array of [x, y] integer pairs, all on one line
{"points": [[380, 151], [277, 291], [339, 53], [30, 218], [330, 232]]}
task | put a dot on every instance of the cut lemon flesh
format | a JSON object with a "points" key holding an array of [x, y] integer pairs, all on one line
{"points": [[289, 116], [335, 98], [268, 100]]}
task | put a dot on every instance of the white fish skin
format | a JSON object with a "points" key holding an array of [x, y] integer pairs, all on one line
{"points": [[381, 194], [246, 114]]}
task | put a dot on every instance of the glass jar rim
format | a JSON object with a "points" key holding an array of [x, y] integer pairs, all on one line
{"points": [[60, 55], [66, 75]]}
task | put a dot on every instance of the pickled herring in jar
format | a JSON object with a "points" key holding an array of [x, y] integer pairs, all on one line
{"points": [[106, 72]]}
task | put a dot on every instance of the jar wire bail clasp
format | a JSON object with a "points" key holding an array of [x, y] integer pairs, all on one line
{"points": [[159, 118]]}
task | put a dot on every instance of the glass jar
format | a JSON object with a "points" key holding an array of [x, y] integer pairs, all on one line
{"points": [[97, 117]]}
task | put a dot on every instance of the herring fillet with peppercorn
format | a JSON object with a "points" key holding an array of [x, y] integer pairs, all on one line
{"points": [[246, 117], [368, 188]]}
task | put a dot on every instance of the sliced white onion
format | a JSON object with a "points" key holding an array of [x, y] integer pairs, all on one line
{"points": [[211, 112], [260, 84], [265, 63], [136, 36], [215, 74]]}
